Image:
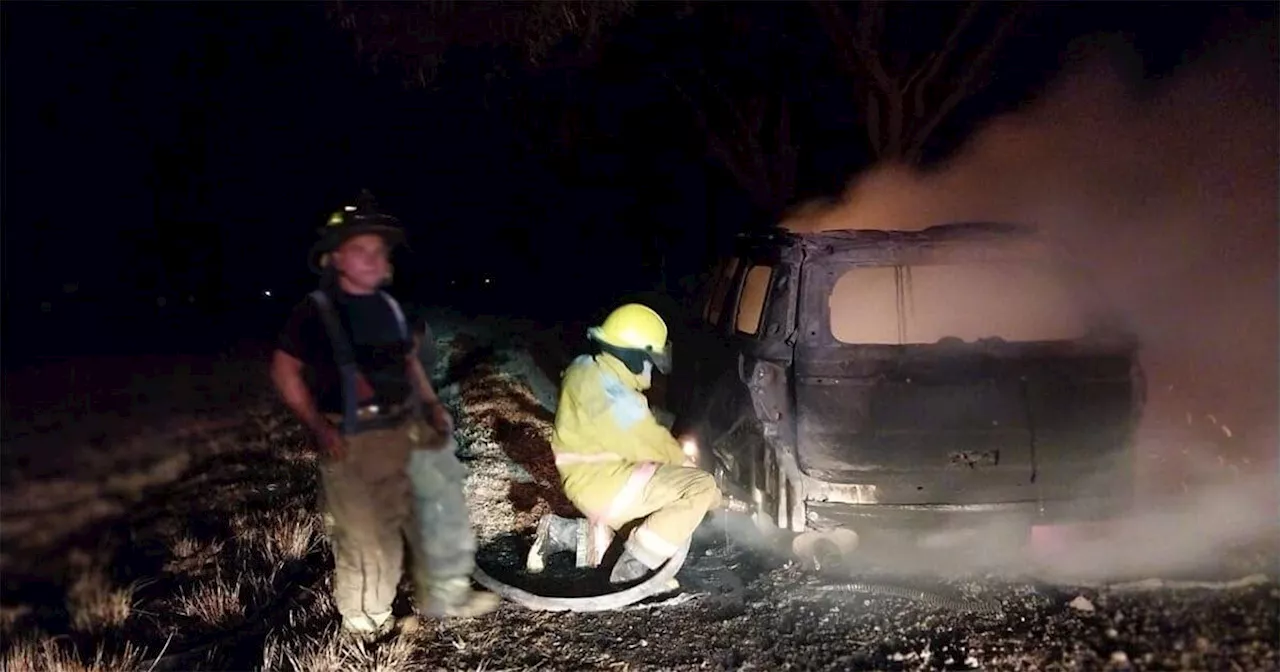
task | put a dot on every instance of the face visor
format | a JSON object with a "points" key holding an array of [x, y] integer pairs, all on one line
{"points": [[661, 360], [634, 358]]}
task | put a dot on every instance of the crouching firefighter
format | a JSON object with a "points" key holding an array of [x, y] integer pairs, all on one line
{"points": [[388, 471], [617, 463]]}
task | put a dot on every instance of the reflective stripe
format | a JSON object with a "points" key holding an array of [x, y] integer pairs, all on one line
{"points": [[631, 491], [650, 541], [564, 459], [600, 536], [625, 404]]}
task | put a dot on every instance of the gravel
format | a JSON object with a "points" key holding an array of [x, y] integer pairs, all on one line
{"points": [[741, 610], [769, 617]]}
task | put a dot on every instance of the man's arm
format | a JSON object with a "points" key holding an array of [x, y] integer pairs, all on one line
{"points": [[635, 423], [660, 441], [286, 375]]}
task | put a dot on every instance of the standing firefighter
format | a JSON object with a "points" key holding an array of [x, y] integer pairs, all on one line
{"points": [[388, 470], [616, 462]]}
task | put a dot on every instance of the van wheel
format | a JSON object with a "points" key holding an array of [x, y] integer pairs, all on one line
{"points": [[825, 550]]}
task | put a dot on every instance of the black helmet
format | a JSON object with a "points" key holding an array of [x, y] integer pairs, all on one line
{"points": [[354, 220]]}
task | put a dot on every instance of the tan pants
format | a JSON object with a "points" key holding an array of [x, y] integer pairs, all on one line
{"points": [[386, 490], [674, 498]]}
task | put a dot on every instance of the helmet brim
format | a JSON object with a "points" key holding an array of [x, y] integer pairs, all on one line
{"points": [[661, 360], [334, 238]]}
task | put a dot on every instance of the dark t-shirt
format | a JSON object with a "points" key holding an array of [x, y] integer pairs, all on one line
{"points": [[374, 333]]}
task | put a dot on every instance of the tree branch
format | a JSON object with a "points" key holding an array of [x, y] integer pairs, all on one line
{"points": [[716, 144], [873, 125], [933, 66], [965, 87], [870, 23], [767, 176], [852, 46]]}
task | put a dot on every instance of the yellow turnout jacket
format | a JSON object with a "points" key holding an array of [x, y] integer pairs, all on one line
{"points": [[604, 429]]}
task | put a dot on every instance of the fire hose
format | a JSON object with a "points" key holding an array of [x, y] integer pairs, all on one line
{"points": [[657, 583]]}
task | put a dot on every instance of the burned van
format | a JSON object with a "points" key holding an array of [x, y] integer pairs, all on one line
{"points": [[910, 379]]}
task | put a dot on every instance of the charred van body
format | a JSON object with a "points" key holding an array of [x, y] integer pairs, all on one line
{"points": [[910, 379]]}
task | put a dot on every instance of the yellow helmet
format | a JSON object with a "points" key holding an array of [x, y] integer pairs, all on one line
{"points": [[639, 332]]}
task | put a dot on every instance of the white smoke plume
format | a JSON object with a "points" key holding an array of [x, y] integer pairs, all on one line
{"points": [[1169, 197]]}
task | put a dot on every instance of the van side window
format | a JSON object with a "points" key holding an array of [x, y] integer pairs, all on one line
{"points": [[723, 283], [754, 292], [710, 288]]}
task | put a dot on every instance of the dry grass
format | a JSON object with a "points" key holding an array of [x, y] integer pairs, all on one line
{"points": [[37, 514], [509, 428], [288, 536], [214, 604], [50, 655], [95, 604], [334, 652], [225, 535], [10, 616], [186, 546], [191, 556]]}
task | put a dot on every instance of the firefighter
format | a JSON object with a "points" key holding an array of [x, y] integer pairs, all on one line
{"points": [[617, 463], [388, 471]]}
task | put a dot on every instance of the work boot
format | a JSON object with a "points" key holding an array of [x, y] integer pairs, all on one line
{"points": [[369, 627], [555, 535], [628, 569], [455, 597]]}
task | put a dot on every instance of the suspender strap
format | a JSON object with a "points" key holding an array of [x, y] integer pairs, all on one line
{"points": [[343, 355], [395, 308], [415, 400]]}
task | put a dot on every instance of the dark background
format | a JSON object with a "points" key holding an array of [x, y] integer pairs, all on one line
{"points": [[166, 164]]}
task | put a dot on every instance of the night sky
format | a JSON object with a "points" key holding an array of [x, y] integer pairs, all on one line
{"points": [[165, 164]]}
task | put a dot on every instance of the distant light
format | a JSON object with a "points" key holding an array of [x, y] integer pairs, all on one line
{"points": [[349, 208], [486, 281], [266, 293]]}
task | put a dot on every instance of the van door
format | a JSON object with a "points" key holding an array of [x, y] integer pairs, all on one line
{"points": [[756, 327], [960, 384]]}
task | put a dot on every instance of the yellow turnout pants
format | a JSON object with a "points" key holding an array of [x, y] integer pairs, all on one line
{"points": [[675, 499]]}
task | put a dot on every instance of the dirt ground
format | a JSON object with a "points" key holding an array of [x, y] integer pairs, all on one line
{"points": [[198, 545]]}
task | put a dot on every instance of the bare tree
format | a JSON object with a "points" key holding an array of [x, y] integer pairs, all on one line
{"points": [[415, 35], [902, 100], [906, 101], [750, 135]]}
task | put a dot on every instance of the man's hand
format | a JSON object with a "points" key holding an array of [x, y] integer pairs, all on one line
{"points": [[286, 374], [440, 418], [330, 443]]}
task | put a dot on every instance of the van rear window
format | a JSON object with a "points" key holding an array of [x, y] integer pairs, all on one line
{"points": [[900, 305]]}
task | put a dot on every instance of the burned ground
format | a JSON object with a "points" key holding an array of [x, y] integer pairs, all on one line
{"points": [[205, 547]]}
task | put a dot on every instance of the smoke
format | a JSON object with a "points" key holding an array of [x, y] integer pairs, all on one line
{"points": [[1168, 197]]}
